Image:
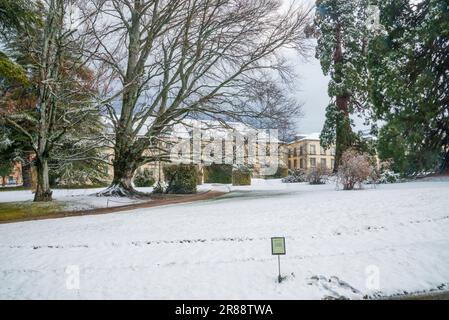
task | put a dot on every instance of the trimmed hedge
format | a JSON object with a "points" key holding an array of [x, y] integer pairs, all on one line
{"points": [[181, 179], [218, 173], [241, 177]]}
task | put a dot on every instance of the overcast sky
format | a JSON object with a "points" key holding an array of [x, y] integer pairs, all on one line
{"points": [[311, 89]]}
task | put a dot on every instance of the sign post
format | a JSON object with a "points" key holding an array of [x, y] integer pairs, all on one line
{"points": [[278, 249]]}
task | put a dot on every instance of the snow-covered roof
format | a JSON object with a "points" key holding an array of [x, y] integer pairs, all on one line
{"points": [[309, 136], [209, 129]]}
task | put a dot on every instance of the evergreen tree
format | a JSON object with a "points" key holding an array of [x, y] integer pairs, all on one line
{"points": [[342, 51], [410, 83], [6, 165], [52, 109], [16, 16]]}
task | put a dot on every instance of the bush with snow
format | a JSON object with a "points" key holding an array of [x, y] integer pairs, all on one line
{"points": [[160, 187], [144, 179], [318, 175], [355, 168], [389, 176], [296, 176]]}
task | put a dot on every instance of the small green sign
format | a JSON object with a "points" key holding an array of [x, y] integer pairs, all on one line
{"points": [[278, 246]]}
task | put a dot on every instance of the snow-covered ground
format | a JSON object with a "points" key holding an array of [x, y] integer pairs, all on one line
{"points": [[80, 199], [73, 200], [339, 243]]}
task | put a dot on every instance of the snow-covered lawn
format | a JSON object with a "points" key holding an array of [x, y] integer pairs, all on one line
{"points": [[80, 199], [72, 200], [338, 243]]}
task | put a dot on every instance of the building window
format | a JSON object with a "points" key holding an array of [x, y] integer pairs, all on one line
{"points": [[313, 162], [312, 149], [294, 152], [301, 151], [323, 152], [323, 163], [295, 165], [301, 163], [333, 151]]}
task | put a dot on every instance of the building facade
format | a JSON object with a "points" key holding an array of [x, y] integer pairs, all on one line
{"points": [[14, 178], [306, 153], [219, 145]]}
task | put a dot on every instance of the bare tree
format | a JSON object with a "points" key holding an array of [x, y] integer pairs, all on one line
{"points": [[267, 105], [60, 91], [164, 60]]}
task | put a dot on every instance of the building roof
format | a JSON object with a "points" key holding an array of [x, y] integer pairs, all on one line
{"points": [[315, 136], [209, 129]]}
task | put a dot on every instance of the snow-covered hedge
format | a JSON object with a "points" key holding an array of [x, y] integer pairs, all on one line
{"points": [[218, 173], [241, 176], [181, 179]]}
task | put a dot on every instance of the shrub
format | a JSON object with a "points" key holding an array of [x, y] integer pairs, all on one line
{"points": [[218, 173], [389, 176], [382, 174], [354, 169], [318, 175], [144, 179], [296, 176], [160, 187], [181, 179], [241, 176]]}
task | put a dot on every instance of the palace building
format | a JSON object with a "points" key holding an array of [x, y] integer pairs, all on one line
{"points": [[306, 153]]}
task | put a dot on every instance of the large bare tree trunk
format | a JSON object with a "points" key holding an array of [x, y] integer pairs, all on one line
{"points": [[121, 185], [124, 165], [43, 192]]}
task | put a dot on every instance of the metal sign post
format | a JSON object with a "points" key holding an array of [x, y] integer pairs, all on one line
{"points": [[278, 249]]}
